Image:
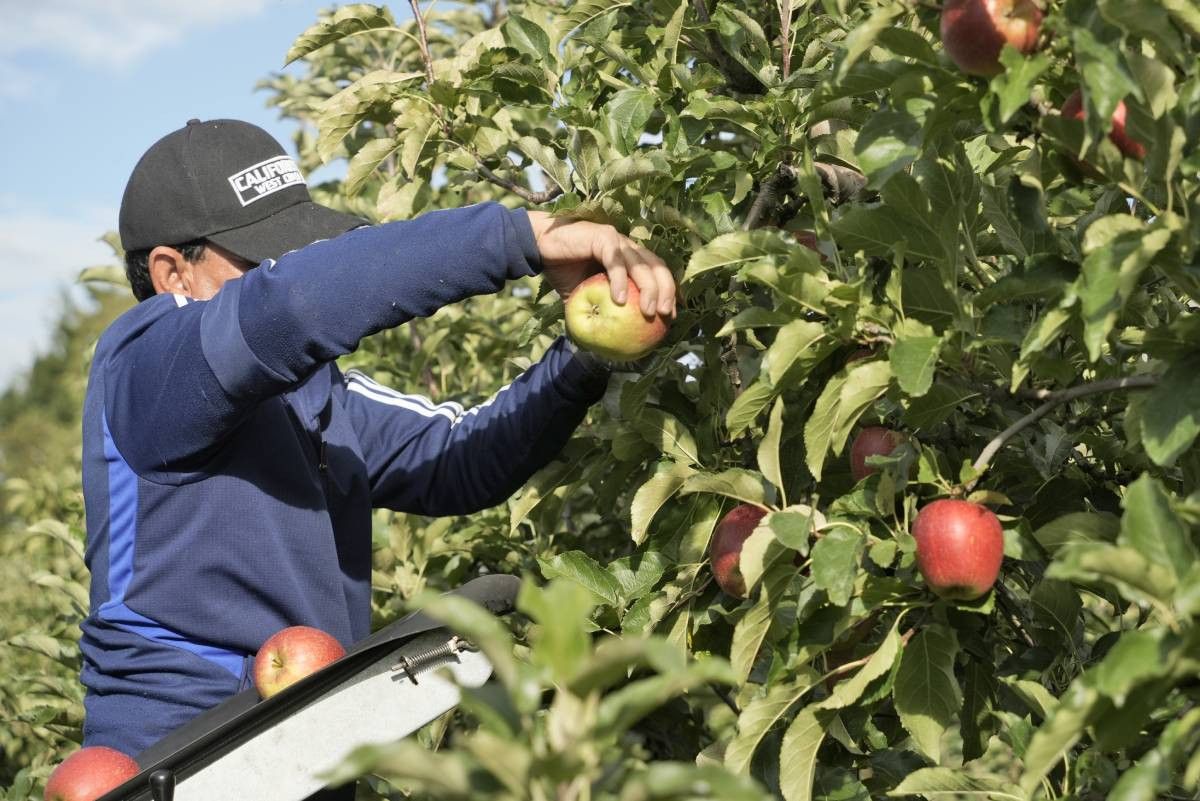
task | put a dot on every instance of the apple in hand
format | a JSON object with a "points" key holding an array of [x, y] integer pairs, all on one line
{"points": [[89, 773], [620, 332], [291, 654], [725, 549], [1073, 109], [871, 441], [960, 546], [975, 31]]}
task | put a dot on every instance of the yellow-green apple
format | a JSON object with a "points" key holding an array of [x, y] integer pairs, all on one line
{"points": [[871, 441], [1073, 109], [599, 324], [960, 546], [291, 654], [89, 773], [975, 31], [725, 549]]}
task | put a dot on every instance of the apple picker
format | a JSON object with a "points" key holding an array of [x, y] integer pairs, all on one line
{"points": [[230, 467]]}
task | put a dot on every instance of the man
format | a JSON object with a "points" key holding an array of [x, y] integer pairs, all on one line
{"points": [[230, 468]]}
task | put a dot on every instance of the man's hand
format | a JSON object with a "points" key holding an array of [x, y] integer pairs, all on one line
{"points": [[573, 249]]}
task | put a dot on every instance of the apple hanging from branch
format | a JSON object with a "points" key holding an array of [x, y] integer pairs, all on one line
{"points": [[620, 332], [1119, 136], [960, 546], [871, 441], [975, 31], [725, 548]]}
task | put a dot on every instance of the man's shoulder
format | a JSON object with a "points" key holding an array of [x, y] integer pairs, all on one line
{"points": [[132, 323]]}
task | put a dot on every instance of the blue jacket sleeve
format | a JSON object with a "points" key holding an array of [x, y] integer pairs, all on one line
{"points": [[177, 388], [441, 459]]}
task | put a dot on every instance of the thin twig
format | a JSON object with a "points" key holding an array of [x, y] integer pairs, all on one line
{"points": [[544, 196], [785, 35], [1053, 400], [424, 38], [724, 696], [857, 663]]}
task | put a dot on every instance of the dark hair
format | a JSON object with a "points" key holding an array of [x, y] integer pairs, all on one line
{"points": [[137, 266]]}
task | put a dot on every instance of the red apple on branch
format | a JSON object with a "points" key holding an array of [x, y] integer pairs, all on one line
{"points": [[725, 549], [960, 546], [1073, 109], [597, 323], [975, 31], [291, 654], [871, 441], [89, 773]]}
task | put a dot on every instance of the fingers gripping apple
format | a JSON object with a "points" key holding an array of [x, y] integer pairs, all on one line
{"points": [[596, 323]]}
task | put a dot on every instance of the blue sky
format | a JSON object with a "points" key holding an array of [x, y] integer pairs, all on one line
{"points": [[85, 87]]}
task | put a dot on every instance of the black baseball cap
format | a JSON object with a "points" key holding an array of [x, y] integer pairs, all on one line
{"points": [[229, 182]]}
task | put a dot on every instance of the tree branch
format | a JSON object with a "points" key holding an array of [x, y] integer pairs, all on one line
{"points": [[768, 196], [544, 196], [424, 38], [1052, 400]]}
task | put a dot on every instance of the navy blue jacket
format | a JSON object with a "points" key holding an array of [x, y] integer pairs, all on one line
{"points": [[230, 468]]}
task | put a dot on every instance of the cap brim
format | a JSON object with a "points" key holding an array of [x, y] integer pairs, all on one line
{"points": [[288, 230]]}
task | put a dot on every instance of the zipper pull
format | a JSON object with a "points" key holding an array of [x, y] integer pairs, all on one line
{"points": [[323, 464]]}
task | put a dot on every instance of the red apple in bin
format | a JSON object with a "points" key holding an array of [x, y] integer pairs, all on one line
{"points": [[725, 549], [1073, 109], [620, 332], [89, 773], [871, 441], [975, 31], [291, 654], [960, 546]]}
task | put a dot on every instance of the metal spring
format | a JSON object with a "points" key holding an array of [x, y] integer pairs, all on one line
{"points": [[411, 665]]}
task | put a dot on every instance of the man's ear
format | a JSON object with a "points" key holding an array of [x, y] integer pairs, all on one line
{"points": [[169, 271]]}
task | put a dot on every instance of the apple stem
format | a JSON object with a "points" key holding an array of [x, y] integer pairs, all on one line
{"points": [[1053, 400]]}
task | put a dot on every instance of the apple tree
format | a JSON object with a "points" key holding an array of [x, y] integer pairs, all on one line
{"points": [[865, 236]]}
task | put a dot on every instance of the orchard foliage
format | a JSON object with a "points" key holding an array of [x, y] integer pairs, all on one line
{"points": [[863, 236]]}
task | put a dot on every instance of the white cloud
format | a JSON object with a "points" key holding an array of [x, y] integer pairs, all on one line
{"points": [[40, 257], [110, 34]]}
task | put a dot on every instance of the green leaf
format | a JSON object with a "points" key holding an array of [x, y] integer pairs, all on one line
{"points": [[768, 448], [1106, 83], [631, 169], [341, 113], [954, 782], [937, 405], [1013, 85], [414, 139], [1171, 416], [545, 157], [926, 693], [1150, 527], [880, 663], [560, 643], [651, 496], [889, 142], [735, 250], [638, 573], [585, 571], [666, 433], [751, 630], [1059, 734], [611, 661], [628, 112], [1076, 527], [736, 483], [835, 560], [1056, 606], [761, 715], [346, 21], [862, 38], [1119, 248], [819, 428], [366, 161], [914, 357], [528, 37], [1138, 657], [798, 755], [1131, 573], [485, 631], [621, 709]]}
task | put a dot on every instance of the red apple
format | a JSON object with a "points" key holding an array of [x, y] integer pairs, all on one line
{"points": [[291, 654], [725, 549], [871, 441], [960, 546], [89, 773], [975, 31], [1073, 109], [597, 323]]}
